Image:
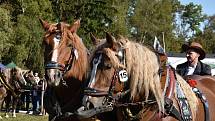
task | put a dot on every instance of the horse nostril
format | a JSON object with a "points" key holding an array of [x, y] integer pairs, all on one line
{"points": [[59, 74], [90, 105]]}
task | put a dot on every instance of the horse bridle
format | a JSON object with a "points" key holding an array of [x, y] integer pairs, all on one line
{"points": [[112, 98], [96, 61]]}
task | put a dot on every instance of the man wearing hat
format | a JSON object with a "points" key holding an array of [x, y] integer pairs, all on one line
{"points": [[193, 65]]}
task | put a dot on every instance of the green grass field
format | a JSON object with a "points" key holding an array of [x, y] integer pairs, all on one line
{"points": [[23, 117]]}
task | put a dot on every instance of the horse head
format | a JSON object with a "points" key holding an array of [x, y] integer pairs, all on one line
{"points": [[64, 51], [17, 77], [108, 74]]}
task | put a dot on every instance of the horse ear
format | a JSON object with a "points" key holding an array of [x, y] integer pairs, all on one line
{"points": [[94, 39], [111, 40], [75, 26], [45, 24]]}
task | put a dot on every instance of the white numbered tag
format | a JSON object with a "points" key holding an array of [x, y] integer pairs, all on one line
{"points": [[123, 76], [76, 54]]}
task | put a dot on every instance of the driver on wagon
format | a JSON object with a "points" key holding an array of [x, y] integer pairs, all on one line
{"points": [[193, 65]]}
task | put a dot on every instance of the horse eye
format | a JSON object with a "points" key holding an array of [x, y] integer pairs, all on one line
{"points": [[69, 45], [107, 65]]}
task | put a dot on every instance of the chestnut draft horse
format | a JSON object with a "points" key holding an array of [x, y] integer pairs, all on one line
{"points": [[66, 60], [125, 79], [12, 82]]}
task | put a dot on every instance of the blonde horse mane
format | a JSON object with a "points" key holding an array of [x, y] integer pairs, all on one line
{"points": [[142, 66]]}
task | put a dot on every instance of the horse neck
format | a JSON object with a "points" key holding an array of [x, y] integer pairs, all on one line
{"points": [[79, 67]]}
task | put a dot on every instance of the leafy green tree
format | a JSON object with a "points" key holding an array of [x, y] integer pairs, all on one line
{"points": [[6, 34], [153, 18], [207, 37], [96, 16], [191, 17], [25, 32]]}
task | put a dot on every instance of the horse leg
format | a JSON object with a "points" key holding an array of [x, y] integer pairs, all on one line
{"points": [[3, 94], [7, 102], [1, 101], [15, 102]]}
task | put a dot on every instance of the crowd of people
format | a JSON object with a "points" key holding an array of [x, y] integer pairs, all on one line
{"points": [[31, 96]]}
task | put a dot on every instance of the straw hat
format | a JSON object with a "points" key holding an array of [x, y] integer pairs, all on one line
{"points": [[196, 47]]}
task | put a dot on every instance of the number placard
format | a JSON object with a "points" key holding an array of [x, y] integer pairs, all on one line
{"points": [[123, 76]]}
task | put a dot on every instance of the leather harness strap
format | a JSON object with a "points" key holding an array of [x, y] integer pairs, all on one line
{"points": [[170, 109], [168, 82], [203, 99]]}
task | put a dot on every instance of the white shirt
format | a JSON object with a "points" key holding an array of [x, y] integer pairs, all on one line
{"points": [[37, 79], [191, 70]]}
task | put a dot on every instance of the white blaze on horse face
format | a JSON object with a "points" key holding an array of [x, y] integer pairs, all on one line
{"points": [[55, 51], [96, 62]]}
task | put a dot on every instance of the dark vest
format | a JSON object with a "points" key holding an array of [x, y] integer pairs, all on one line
{"points": [[201, 69]]}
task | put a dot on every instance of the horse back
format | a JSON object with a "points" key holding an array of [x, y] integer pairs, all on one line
{"points": [[207, 85]]}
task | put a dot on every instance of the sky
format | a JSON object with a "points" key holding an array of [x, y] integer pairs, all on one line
{"points": [[207, 5]]}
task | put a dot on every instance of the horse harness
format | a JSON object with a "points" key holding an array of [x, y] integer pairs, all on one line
{"points": [[183, 104], [118, 91], [114, 97], [169, 84]]}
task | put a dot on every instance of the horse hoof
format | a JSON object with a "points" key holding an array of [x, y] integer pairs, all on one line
{"points": [[14, 116], [6, 116], [1, 118]]}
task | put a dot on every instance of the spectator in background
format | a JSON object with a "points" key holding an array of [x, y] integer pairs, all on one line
{"points": [[193, 65], [39, 93], [35, 94], [26, 96], [37, 78]]}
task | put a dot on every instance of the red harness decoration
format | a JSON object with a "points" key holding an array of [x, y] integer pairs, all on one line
{"points": [[192, 82]]}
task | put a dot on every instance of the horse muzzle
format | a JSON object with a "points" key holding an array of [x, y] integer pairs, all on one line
{"points": [[54, 73], [53, 77]]}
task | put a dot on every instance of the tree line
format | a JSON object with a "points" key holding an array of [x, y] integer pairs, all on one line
{"points": [[140, 20]]}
